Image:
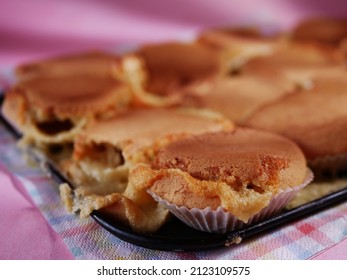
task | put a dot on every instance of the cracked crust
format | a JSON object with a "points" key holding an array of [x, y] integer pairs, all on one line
{"points": [[240, 170], [136, 130], [143, 218], [106, 151]]}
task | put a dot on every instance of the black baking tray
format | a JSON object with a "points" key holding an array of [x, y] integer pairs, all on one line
{"points": [[176, 236]]}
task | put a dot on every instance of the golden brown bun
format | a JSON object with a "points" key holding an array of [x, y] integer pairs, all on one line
{"points": [[54, 109], [323, 30], [343, 52], [233, 38], [97, 64], [315, 120], [139, 128], [107, 149], [75, 95], [161, 74], [238, 47], [240, 170], [69, 96], [288, 59], [244, 155], [238, 97], [175, 65]]}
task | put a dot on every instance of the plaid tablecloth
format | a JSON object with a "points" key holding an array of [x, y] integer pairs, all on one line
{"points": [[87, 240]]}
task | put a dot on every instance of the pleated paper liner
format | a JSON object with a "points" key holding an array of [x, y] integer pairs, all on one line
{"points": [[221, 221]]}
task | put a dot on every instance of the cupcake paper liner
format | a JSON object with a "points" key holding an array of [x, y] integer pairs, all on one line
{"points": [[221, 221]]}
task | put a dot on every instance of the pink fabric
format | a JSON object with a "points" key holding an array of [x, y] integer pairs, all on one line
{"points": [[336, 252], [24, 232], [35, 29]]}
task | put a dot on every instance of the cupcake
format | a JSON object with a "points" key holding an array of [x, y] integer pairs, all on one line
{"points": [[217, 182], [316, 120], [52, 110], [160, 74], [107, 150]]}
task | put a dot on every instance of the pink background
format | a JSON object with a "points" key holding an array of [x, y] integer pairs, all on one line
{"points": [[33, 29]]}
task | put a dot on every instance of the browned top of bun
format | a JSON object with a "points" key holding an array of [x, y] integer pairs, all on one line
{"points": [[292, 55], [323, 30], [91, 63], [238, 97], [291, 64], [174, 65], [233, 38], [139, 128], [71, 96], [315, 120], [239, 170], [244, 155]]}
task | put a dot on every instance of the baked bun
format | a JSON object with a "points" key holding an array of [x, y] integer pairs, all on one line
{"points": [[161, 74], [238, 97], [289, 59], [107, 150], [238, 46], [239, 171], [330, 31], [315, 120], [53, 110]]}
